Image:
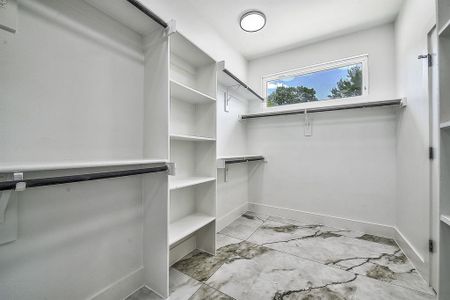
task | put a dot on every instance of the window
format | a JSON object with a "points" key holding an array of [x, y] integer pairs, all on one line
{"points": [[330, 81]]}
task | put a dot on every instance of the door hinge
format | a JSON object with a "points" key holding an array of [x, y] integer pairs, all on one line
{"points": [[429, 57], [431, 153], [431, 246]]}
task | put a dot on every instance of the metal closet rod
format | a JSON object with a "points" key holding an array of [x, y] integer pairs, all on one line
{"points": [[244, 160], [149, 13], [396, 102], [11, 185], [242, 84]]}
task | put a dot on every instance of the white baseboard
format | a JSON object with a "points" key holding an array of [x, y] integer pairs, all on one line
{"points": [[344, 223], [182, 249], [414, 256], [332, 221], [123, 287], [230, 217]]}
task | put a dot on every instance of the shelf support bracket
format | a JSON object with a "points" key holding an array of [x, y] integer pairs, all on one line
{"points": [[226, 102], [228, 96], [308, 125], [225, 173]]}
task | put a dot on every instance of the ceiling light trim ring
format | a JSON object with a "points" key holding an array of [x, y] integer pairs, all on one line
{"points": [[249, 13]]}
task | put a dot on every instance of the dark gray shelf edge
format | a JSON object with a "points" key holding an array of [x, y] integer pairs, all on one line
{"points": [[240, 82], [148, 12], [395, 102]]}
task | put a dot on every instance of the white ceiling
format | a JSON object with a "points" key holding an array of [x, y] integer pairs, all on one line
{"points": [[292, 23]]}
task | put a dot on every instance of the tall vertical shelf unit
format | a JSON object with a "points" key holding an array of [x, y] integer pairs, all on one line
{"points": [[443, 25], [192, 200]]}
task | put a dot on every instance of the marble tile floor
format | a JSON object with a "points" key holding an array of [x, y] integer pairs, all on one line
{"points": [[261, 257]]}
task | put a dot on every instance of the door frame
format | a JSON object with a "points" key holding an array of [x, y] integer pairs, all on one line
{"points": [[434, 142]]}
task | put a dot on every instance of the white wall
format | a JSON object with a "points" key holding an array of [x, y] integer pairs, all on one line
{"points": [[347, 169], [413, 24], [60, 75], [378, 43], [196, 29]]}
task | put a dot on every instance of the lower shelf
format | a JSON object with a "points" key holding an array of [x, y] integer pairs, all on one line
{"points": [[182, 182], [187, 225]]}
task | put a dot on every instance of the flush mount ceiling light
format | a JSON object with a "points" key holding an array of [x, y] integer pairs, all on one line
{"points": [[252, 21]]}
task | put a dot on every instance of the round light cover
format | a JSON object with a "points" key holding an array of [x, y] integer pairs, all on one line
{"points": [[253, 21]]}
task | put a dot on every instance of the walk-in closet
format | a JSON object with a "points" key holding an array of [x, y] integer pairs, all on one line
{"points": [[208, 149]]}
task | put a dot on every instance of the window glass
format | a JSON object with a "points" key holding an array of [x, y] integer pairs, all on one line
{"points": [[331, 83]]}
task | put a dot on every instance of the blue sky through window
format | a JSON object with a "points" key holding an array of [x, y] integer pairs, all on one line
{"points": [[321, 81]]}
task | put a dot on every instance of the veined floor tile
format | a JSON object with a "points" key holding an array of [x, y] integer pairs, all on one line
{"points": [[208, 293], [181, 286], [269, 274], [376, 257], [244, 226], [202, 266]]}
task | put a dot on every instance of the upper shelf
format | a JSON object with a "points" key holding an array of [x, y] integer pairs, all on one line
{"points": [[76, 165], [131, 13], [326, 108], [240, 88], [187, 94], [228, 160]]}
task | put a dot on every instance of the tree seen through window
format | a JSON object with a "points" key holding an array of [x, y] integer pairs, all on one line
{"points": [[343, 82]]}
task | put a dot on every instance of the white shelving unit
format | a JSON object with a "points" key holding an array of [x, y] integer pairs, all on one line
{"points": [[443, 24], [192, 148]]}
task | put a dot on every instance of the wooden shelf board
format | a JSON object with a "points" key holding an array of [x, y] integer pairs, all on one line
{"points": [[49, 166], [445, 219], [188, 225], [182, 182], [182, 137]]}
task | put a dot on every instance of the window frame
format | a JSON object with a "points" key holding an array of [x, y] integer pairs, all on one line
{"points": [[360, 59]]}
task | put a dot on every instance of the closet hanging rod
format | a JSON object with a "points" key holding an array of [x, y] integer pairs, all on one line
{"points": [[396, 102], [244, 160], [148, 12], [242, 84], [37, 182]]}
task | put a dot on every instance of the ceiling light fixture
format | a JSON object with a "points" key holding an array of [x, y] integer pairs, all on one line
{"points": [[252, 21]]}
